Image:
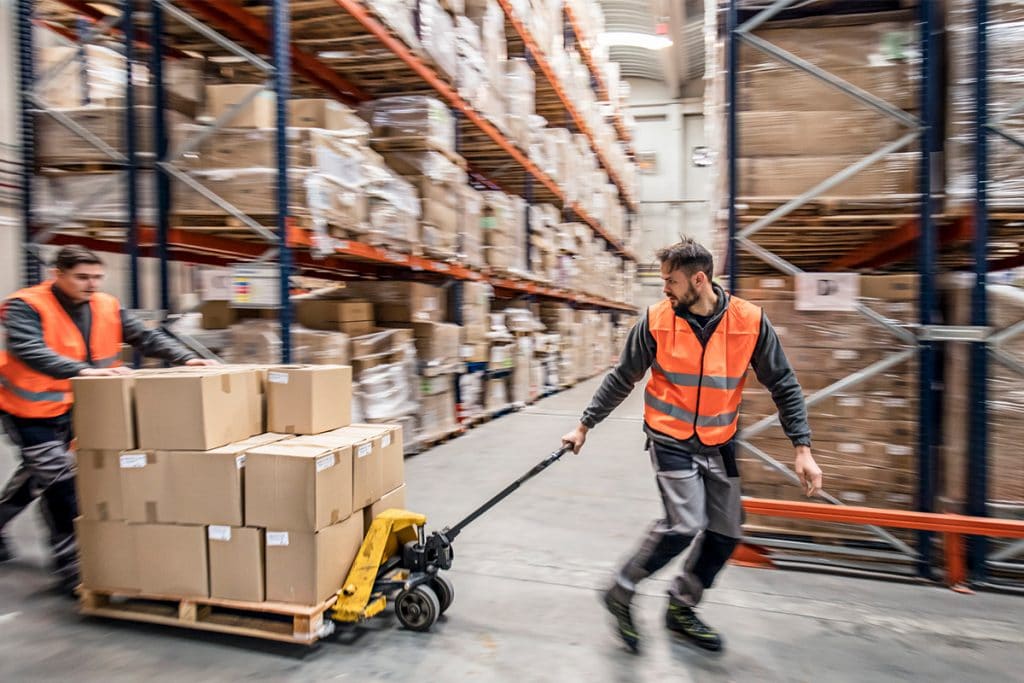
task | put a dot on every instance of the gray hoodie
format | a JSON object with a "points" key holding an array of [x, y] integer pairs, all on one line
{"points": [[769, 362]]}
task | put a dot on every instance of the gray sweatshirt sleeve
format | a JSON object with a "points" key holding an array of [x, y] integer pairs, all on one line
{"points": [[637, 357], [774, 371], [152, 343], [25, 341]]}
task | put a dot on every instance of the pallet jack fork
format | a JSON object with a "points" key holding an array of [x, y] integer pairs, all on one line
{"points": [[399, 561]]}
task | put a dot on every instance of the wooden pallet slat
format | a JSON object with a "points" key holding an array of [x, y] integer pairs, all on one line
{"points": [[299, 624]]}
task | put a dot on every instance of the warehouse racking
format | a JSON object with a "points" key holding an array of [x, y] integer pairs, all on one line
{"points": [[284, 43], [805, 235]]}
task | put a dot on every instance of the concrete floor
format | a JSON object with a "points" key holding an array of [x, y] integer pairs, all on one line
{"points": [[527, 578]]}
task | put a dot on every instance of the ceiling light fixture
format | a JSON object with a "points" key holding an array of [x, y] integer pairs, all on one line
{"points": [[646, 41]]}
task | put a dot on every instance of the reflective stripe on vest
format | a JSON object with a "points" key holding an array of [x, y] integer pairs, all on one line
{"points": [[695, 389], [27, 393]]}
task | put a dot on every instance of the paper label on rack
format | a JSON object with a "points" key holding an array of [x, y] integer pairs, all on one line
{"points": [[133, 461], [365, 450], [851, 448], [277, 377], [845, 354], [895, 403], [896, 450], [218, 533], [772, 283], [827, 291], [240, 462], [385, 441], [850, 401], [853, 496], [325, 461], [277, 538]]}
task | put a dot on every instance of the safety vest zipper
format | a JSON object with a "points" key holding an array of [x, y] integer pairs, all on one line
{"points": [[700, 382]]}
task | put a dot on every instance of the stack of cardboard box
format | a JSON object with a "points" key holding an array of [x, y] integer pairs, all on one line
{"points": [[864, 437], [187, 490], [1005, 404], [443, 192], [798, 130]]}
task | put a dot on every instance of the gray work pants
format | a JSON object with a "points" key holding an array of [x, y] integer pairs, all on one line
{"points": [[703, 506]]}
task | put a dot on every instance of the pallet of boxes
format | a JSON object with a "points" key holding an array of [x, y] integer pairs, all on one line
{"points": [[228, 499], [865, 436]]}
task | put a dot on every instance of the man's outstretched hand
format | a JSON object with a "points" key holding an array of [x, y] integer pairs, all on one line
{"points": [[808, 471], [576, 438]]}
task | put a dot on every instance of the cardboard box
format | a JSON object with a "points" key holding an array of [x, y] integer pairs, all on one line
{"points": [[195, 410], [107, 555], [357, 328], [437, 413], [323, 314], [404, 302], [218, 315], [103, 416], [392, 452], [260, 113], [437, 343], [172, 560], [367, 461], [306, 567], [476, 352], [890, 287], [327, 114], [298, 486], [392, 500], [146, 487], [236, 563], [98, 482], [206, 487], [309, 399]]}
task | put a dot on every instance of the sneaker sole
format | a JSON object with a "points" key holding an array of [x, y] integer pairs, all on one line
{"points": [[685, 639], [632, 647]]}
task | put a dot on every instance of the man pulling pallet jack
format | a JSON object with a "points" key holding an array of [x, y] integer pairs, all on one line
{"points": [[698, 343]]}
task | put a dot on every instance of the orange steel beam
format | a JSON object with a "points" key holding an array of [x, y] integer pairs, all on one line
{"points": [[897, 519], [542, 63], [241, 25], [400, 50], [95, 15], [899, 244]]}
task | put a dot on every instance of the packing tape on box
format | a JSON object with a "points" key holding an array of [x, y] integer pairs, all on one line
{"points": [[277, 538], [218, 533]]}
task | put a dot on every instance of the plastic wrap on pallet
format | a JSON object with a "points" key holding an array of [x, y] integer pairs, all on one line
{"points": [[411, 119], [437, 36], [259, 341], [334, 152], [387, 392], [520, 93], [470, 238], [399, 16], [1005, 85], [393, 205], [90, 197], [433, 166], [471, 395], [104, 75]]}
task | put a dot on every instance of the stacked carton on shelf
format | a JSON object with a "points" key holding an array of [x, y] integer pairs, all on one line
{"points": [[863, 437]]}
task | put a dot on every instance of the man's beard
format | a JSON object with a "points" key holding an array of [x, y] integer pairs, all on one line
{"points": [[688, 299]]}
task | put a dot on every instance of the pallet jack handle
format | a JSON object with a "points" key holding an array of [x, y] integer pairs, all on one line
{"points": [[451, 533]]}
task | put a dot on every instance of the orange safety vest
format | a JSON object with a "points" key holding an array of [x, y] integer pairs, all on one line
{"points": [[27, 393], [697, 389]]}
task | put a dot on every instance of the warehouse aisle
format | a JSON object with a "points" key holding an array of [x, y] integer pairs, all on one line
{"points": [[526, 579]]}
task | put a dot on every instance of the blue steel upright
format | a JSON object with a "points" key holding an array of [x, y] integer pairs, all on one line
{"points": [[282, 74], [977, 451], [160, 147], [732, 135], [26, 80], [131, 170], [927, 298]]}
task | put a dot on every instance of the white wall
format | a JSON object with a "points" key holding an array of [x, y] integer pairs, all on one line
{"points": [[10, 225], [673, 200]]}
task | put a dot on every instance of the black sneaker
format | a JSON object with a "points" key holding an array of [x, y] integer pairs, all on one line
{"points": [[5, 551], [683, 621], [623, 622]]}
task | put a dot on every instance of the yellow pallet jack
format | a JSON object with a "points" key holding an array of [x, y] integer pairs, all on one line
{"points": [[398, 561]]}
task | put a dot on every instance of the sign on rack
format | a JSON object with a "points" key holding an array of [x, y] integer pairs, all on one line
{"points": [[255, 285], [827, 291]]}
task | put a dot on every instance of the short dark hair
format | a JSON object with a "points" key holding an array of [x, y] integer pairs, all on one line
{"points": [[75, 255], [689, 256]]}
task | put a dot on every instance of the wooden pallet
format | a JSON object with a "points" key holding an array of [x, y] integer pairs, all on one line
{"points": [[431, 440], [282, 622]]}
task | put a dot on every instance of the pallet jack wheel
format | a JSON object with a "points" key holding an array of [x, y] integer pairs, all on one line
{"points": [[418, 609], [445, 591]]}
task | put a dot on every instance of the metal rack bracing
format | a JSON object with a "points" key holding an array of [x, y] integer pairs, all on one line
{"points": [[275, 42]]}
